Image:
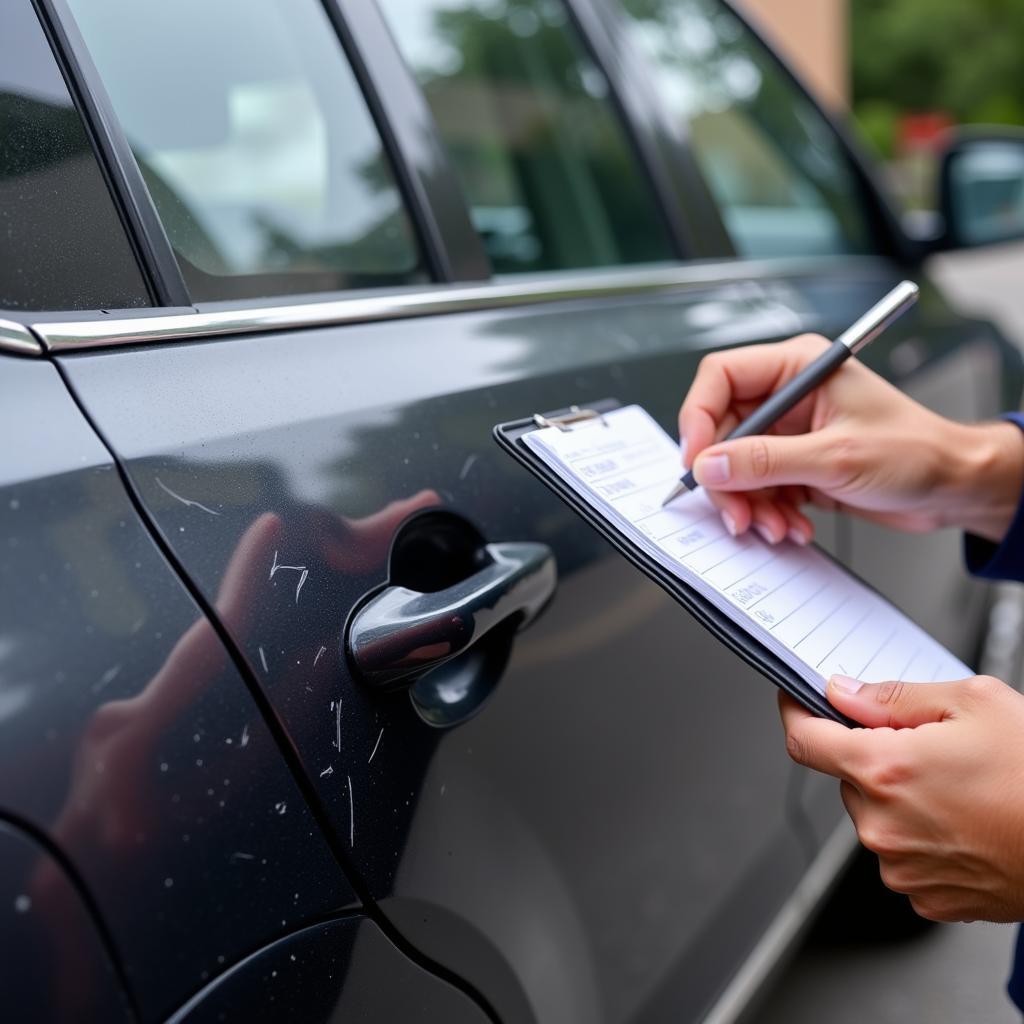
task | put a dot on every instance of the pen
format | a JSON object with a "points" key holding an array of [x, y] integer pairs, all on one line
{"points": [[851, 341]]}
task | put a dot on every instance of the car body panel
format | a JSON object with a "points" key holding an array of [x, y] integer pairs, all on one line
{"points": [[548, 814], [55, 964], [127, 738], [334, 972]]}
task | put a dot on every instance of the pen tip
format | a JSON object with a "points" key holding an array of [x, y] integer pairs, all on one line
{"points": [[680, 488]]}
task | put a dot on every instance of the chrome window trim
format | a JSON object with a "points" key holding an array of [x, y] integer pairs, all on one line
{"points": [[19, 339], [72, 335]]}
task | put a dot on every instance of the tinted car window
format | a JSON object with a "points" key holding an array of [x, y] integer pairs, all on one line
{"points": [[62, 245], [525, 114], [256, 144], [773, 164]]}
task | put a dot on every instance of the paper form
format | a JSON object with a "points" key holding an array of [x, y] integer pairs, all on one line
{"points": [[795, 600]]}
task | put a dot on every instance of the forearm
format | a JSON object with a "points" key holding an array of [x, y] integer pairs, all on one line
{"points": [[982, 478]]}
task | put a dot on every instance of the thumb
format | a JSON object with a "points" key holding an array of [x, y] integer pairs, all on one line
{"points": [[897, 705], [750, 463]]}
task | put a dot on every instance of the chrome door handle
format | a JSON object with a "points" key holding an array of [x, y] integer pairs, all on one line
{"points": [[399, 634]]}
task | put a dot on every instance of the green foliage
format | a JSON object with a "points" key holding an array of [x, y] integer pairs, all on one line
{"points": [[963, 57], [877, 121]]}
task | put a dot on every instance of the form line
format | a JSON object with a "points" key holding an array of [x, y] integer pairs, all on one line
{"points": [[788, 579], [768, 561], [807, 600], [847, 634], [881, 647], [821, 622], [913, 658], [621, 469], [688, 526], [735, 554]]}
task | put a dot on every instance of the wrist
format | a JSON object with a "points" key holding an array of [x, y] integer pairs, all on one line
{"points": [[984, 477]]}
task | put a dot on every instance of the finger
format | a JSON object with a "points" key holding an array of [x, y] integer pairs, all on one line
{"points": [[743, 374], [799, 528], [853, 799], [768, 521], [900, 705], [734, 510], [729, 423], [769, 460], [820, 744]]}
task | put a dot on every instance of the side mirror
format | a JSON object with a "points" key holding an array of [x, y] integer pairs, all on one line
{"points": [[981, 188]]}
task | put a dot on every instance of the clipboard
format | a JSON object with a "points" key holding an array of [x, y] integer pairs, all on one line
{"points": [[510, 437]]}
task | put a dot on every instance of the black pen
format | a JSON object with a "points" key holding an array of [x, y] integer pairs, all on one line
{"points": [[851, 341]]}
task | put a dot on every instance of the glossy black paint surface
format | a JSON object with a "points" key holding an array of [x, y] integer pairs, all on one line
{"points": [[53, 966], [339, 972], [569, 849], [127, 737]]}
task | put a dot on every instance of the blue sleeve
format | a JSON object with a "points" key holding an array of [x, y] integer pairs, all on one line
{"points": [[1003, 561]]}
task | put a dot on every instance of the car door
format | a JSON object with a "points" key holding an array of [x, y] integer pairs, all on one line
{"points": [[593, 819]]}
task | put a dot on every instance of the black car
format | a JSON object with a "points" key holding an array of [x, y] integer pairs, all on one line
{"points": [[270, 271]]}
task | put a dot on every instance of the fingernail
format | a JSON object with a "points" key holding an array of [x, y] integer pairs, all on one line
{"points": [[730, 523], [844, 684], [764, 533], [682, 452], [714, 469], [797, 536]]}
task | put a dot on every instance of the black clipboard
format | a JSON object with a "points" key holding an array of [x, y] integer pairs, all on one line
{"points": [[510, 437]]}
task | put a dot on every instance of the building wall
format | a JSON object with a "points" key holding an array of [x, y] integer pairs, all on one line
{"points": [[813, 36]]}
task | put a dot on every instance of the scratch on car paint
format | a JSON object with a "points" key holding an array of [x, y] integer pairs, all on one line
{"points": [[467, 466], [376, 745], [245, 736], [337, 724], [280, 807], [351, 815], [238, 855], [185, 501], [108, 677], [263, 661], [329, 770], [301, 569], [323, 650]]}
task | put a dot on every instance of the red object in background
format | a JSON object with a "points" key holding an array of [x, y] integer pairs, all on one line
{"points": [[923, 132]]}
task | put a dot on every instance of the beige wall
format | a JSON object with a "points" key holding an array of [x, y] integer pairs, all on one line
{"points": [[812, 36]]}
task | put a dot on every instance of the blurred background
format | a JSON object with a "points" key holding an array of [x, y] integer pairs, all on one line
{"points": [[906, 73]]}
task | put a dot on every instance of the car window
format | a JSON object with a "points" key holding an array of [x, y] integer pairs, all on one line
{"points": [[776, 169], [62, 245], [256, 144], [548, 171]]}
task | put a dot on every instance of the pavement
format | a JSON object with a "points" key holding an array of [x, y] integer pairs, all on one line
{"points": [[954, 974]]}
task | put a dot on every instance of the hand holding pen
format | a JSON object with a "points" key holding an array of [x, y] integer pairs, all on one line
{"points": [[854, 442]]}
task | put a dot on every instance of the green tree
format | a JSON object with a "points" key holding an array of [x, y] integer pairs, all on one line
{"points": [[963, 57]]}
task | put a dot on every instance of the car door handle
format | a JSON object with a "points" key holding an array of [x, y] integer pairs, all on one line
{"points": [[400, 634]]}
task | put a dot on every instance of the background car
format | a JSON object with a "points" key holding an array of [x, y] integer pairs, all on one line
{"points": [[270, 272]]}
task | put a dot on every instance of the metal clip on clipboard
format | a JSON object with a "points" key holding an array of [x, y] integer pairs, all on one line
{"points": [[565, 421]]}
